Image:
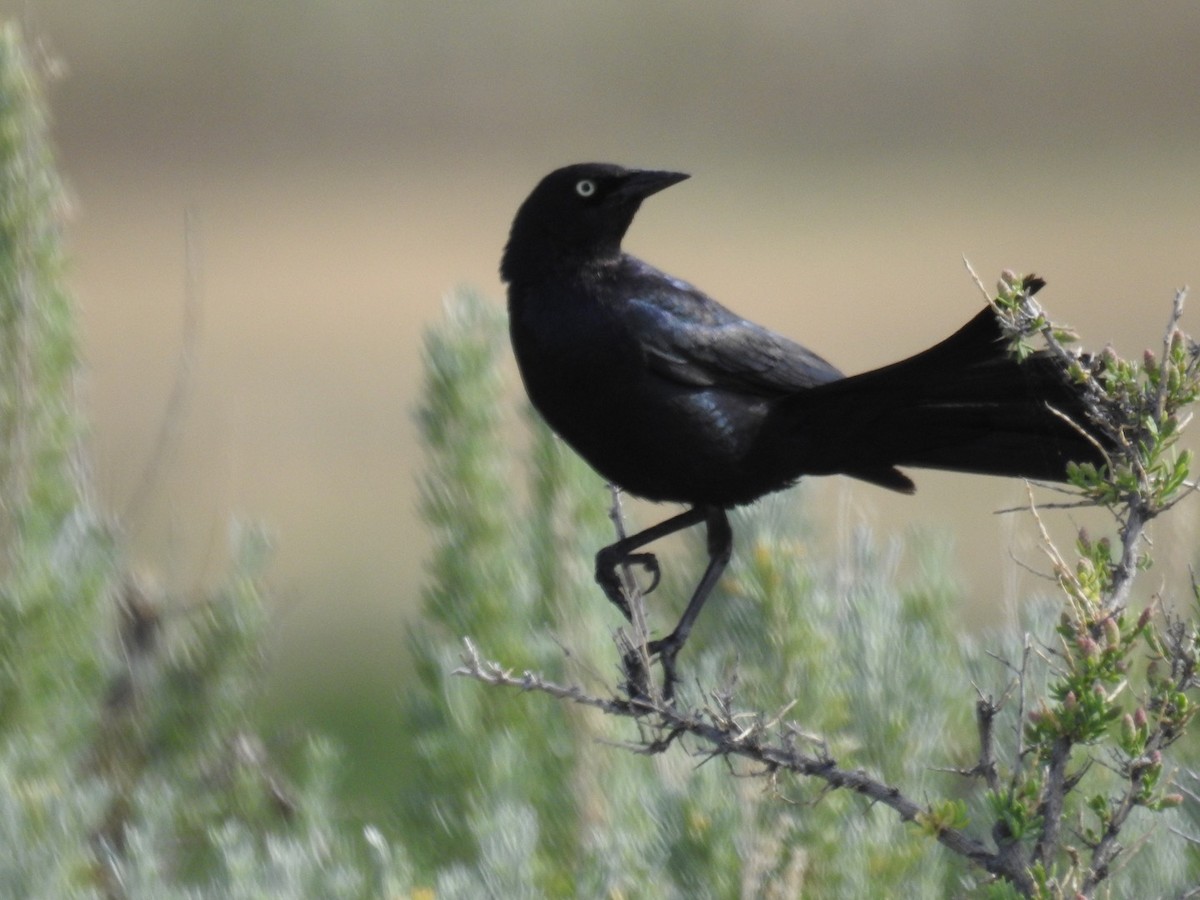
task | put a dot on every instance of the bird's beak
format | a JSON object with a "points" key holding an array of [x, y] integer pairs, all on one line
{"points": [[641, 183]]}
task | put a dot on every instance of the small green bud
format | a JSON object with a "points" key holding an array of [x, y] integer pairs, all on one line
{"points": [[1128, 729], [1112, 633], [1088, 647]]}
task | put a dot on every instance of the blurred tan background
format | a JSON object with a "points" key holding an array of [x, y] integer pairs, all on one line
{"points": [[350, 162]]}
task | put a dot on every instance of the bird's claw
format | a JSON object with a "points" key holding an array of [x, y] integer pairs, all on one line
{"points": [[610, 581], [637, 678], [649, 562]]}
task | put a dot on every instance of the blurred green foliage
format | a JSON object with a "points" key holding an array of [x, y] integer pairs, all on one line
{"points": [[129, 766]]}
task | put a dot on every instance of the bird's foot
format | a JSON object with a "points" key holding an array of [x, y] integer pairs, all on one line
{"points": [[637, 676], [609, 578]]}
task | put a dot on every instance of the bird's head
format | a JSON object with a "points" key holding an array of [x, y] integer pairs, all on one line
{"points": [[577, 214]]}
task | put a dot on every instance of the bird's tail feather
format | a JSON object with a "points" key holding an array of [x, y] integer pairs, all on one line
{"points": [[964, 405]]}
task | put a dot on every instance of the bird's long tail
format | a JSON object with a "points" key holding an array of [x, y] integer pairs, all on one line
{"points": [[964, 405]]}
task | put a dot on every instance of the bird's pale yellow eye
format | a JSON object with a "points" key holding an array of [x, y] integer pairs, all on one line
{"points": [[585, 188]]}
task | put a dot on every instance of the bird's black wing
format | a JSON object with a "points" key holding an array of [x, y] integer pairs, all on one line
{"points": [[688, 337]]}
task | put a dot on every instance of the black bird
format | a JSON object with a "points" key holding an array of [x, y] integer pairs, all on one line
{"points": [[672, 397]]}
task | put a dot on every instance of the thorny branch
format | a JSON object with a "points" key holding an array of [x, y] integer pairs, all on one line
{"points": [[746, 735]]}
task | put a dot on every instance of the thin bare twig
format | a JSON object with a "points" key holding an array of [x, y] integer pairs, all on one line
{"points": [[637, 638], [181, 388]]}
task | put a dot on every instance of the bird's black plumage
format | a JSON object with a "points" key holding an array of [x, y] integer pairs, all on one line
{"points": [[672, 397]]}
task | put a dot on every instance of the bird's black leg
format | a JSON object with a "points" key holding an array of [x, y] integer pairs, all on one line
{"points": [[607, 561], [614, 555], [720, 548]]}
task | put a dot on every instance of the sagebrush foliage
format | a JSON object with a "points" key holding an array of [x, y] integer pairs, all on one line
{"points": [[129, 763]]}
